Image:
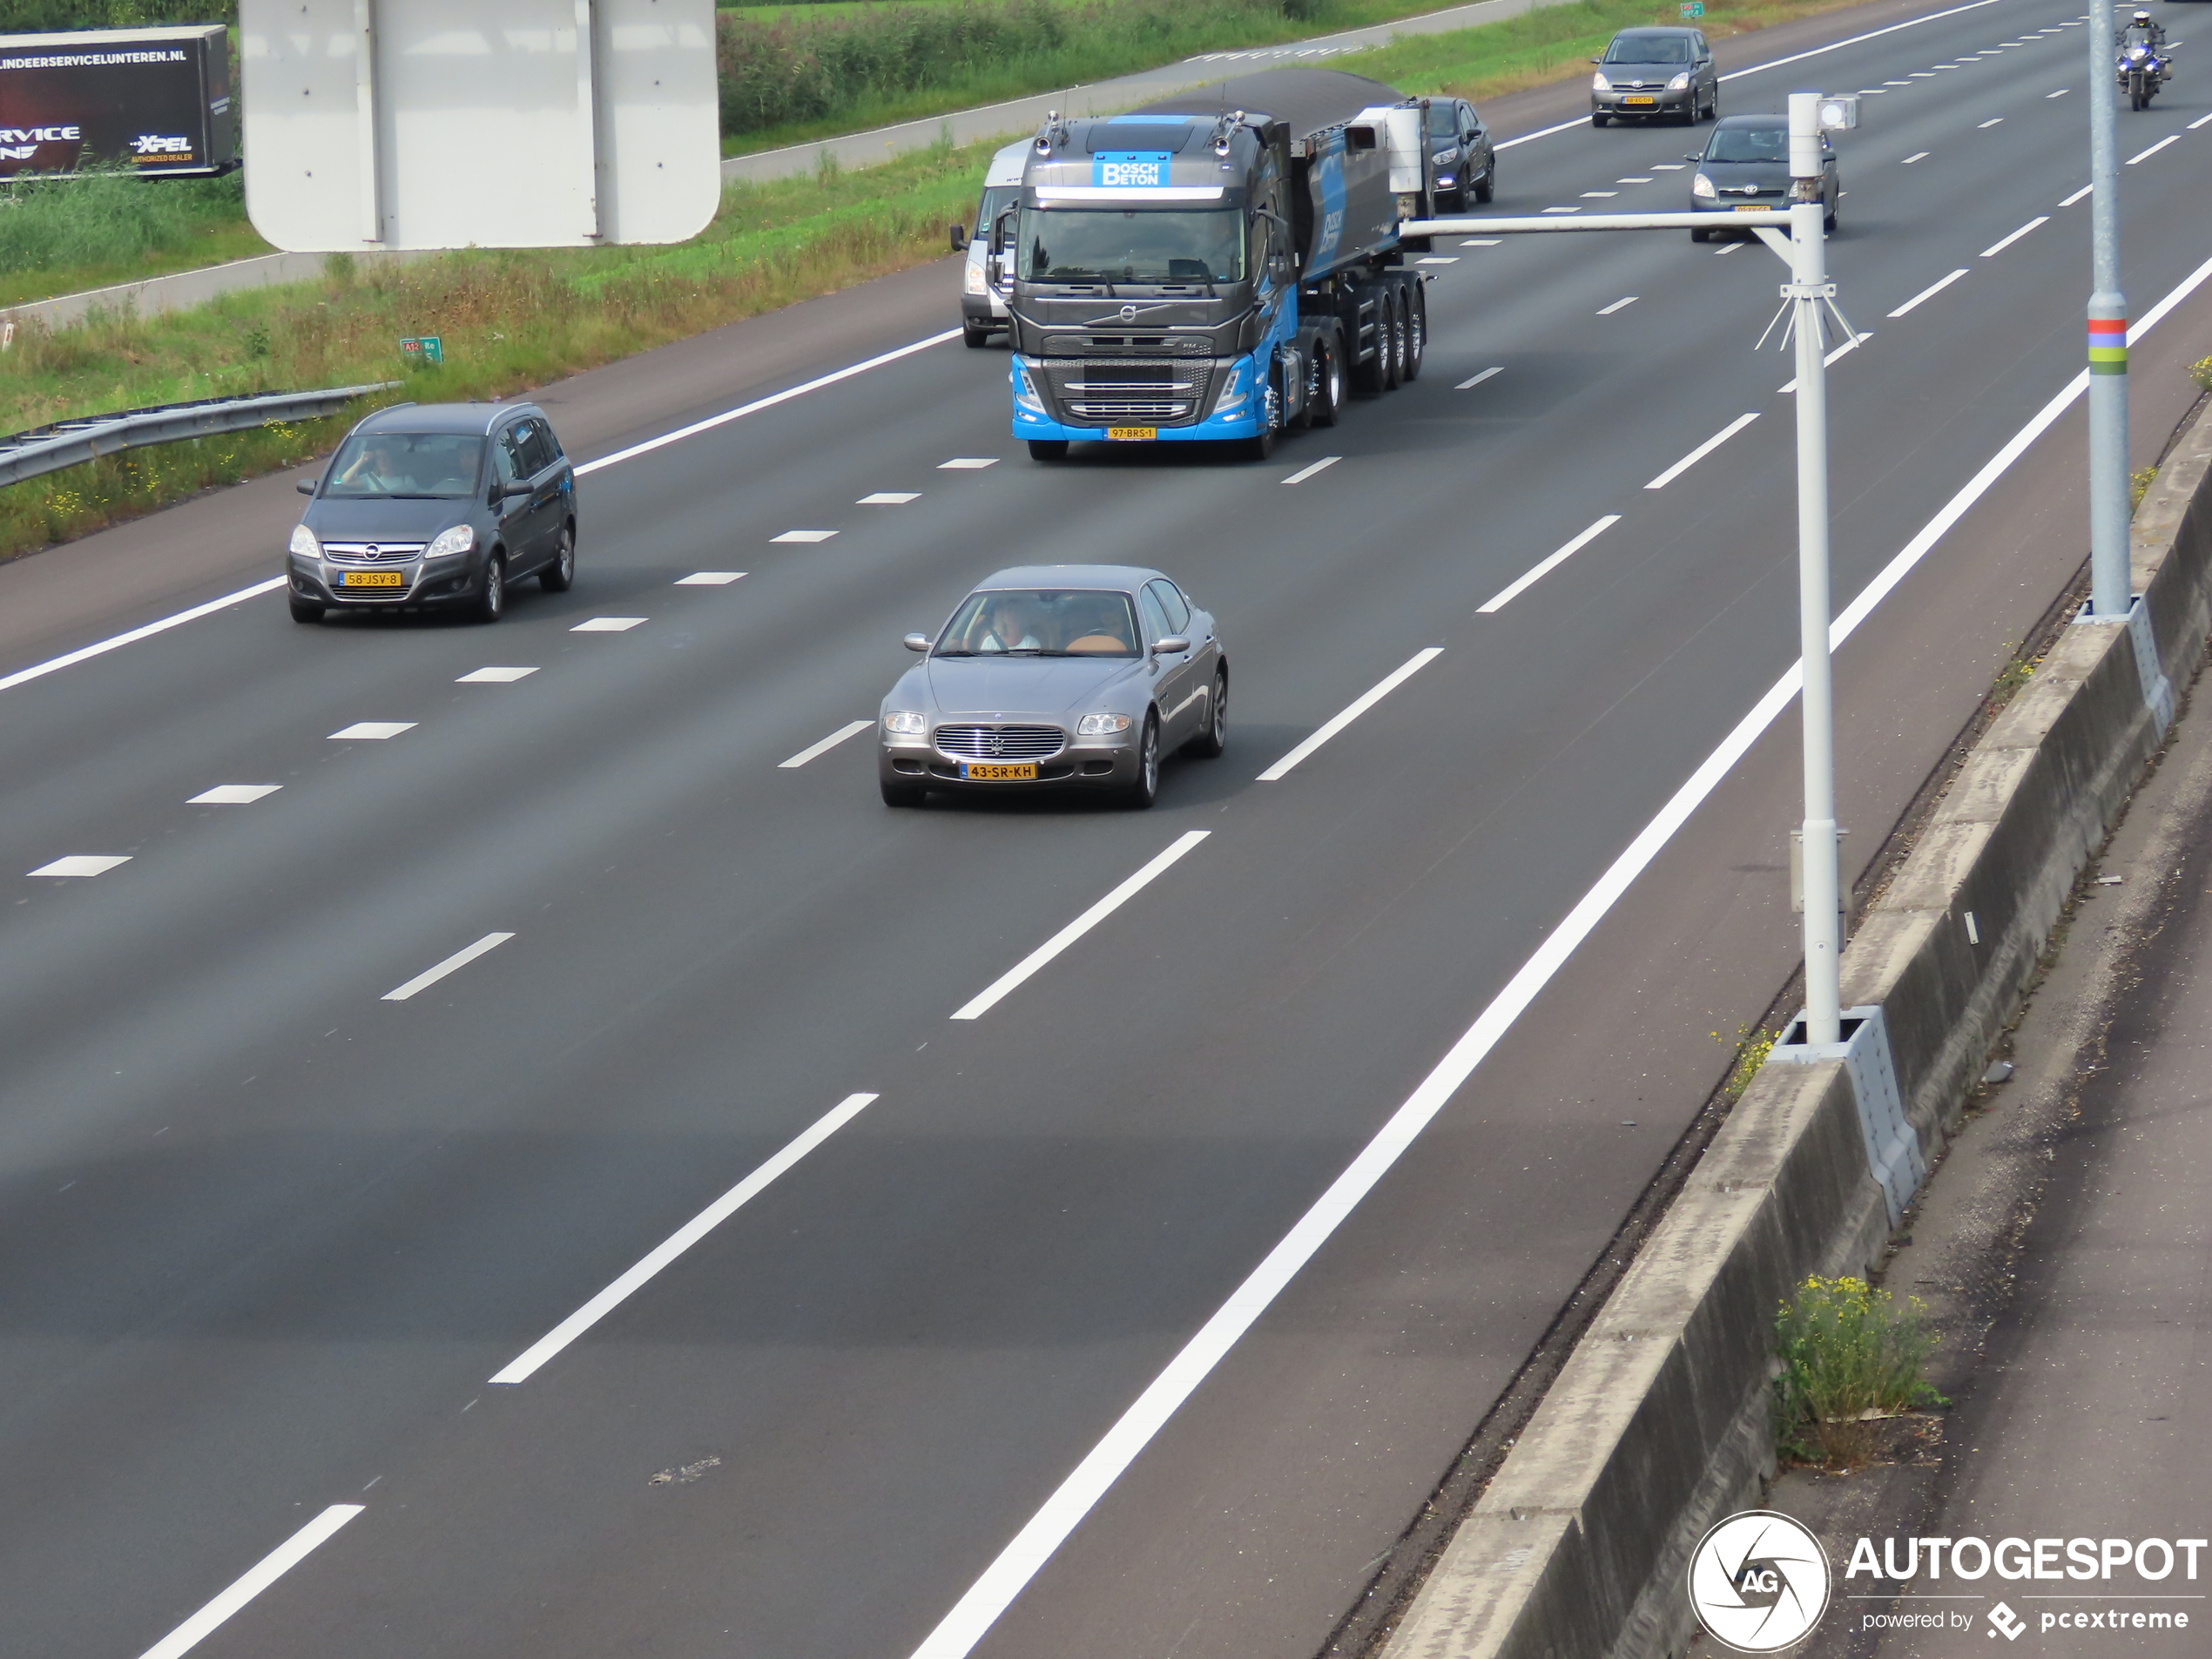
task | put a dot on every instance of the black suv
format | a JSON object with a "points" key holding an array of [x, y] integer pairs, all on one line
{"points": [[436, 504], [1460, 151]]}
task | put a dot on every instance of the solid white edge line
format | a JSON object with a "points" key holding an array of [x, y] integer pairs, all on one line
{"points": [[1702, 451], [519, 1369], [1467, 385], [133, 636], [1352, 711], [768, 403], [1998, 247], [459, 960], [1305, 473], [265, 1572], [2155, 149], [1933, 289], [977, 1006], [957, 1634], [1505, 597], [826, 745]]}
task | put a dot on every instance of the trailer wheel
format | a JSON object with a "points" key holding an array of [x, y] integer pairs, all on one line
{"points": [[1048, 448], [1416, 328], [1370, 375], [1324, 392], [1391, 347]]}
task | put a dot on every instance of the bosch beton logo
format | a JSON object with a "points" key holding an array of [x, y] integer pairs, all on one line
{"points": [[1759, 1581]]}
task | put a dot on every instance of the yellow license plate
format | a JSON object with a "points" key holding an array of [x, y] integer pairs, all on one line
{"points": [[1635, 99], [1131, 433], [1750, 207], [372, 579], [997, 772]]}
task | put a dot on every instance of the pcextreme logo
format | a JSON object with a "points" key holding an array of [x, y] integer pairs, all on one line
{"points": [[1759, 1581]]}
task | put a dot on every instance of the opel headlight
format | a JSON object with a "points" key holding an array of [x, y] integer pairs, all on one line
{"points": [[1599, 83], [905, 724], [975, 276], [459, 539], [1101, 725], [304, 545], [1680, 84], [1702, 187], [1024, 393]]}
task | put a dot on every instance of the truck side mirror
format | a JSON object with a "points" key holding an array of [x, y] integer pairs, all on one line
{"points": [[960, 239]]}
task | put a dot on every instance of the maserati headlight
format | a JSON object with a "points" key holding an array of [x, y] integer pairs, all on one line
{"points": [[1024, 393], [1702, 187], [459, 539], [1599, 83], [1680, 84], [1101, 725], [906, 723], [304, 544]]}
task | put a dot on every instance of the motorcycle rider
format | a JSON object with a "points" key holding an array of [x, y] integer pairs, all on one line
{"points": [[2142, 31]]}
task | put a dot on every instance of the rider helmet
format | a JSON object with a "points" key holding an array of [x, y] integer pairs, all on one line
{"points": [[2142, 17]]}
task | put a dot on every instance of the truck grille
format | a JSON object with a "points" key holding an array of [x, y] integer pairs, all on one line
{"points": [[1000, 742], [1159, 391], [1151, 345]]}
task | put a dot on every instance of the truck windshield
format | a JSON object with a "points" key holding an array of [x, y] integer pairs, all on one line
{"points": [[1118, 245]]}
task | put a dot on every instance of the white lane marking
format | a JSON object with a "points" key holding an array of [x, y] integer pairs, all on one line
{"points": [[1499, 601], [1994, 120], [1702, 451], [768, 403], [371, 731], [1469, 384], [968, 463], [2154, 150], [957, 1634], [1618, 304], [84, 652], [2061, 92], [265, 1572], [607, 626], [1633, 181], [1669, 167], [1438, 259], [1829, 361], [1305, 473], [1921, 75], [804, 536], [826, 745], [1930, 291], [519, 1369], [495, 675], [1482, 241], [2199, 122], [1873, 91], [1599, 195], [889, 498], [1909, 160], [1733, 247], [232, 795], [977, 1006], [708, 579], [1352, 711], [1562, 210], [2078, 195], [82, 864], [459, 960], [1999, 247], [1896, 83]]}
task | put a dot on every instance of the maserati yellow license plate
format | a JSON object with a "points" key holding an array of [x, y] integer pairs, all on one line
{"points": [[372, 579], [1131, 433], [1633, 100], [999, 772]]}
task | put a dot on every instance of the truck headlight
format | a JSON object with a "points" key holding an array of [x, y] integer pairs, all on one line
{"points": [[1101, 725], [1233, 392], [1680, 84], [975, 276], [1702, 187], [1024, 393], [1599, 83], [906, 723], [459, 539], [304, 545]]}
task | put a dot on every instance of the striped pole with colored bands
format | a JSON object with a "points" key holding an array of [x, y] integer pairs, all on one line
{"points": [[2107, 345]]}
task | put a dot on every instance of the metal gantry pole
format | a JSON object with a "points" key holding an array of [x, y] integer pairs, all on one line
{"points": [[2109, 510], [1807, 291]]}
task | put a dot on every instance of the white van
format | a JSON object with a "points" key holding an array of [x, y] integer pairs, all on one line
{"points": [[982, 312]]}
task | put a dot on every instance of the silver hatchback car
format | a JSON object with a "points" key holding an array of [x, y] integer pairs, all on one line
{"points": [[1056, 676]]}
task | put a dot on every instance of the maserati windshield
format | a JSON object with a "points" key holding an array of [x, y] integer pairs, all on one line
{"points": [[1039, 621], [1122, 245]]}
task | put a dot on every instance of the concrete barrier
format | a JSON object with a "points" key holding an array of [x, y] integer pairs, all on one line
{"points": [[1659, 1423]]}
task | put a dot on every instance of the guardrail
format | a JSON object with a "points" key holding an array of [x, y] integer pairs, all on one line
{"points": [[70, 443]]}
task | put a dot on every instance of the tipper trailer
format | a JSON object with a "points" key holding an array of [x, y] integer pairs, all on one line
{"points": [[1219, 266]]}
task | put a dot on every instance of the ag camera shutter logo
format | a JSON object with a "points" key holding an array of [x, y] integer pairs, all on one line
{"points": [[1129, 169], [1759, 1581]]}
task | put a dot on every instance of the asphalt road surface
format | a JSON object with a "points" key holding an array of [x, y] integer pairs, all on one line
{"points": [[270, 1234]]}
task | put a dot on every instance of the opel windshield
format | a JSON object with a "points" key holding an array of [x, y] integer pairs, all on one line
{"points": [[436, 465]]}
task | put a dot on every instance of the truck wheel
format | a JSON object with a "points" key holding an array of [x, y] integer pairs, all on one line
{"points": [[1391, 347], [974, 335], [1048, 448], [1369, 377], [1325, 396], [1416, 328], [1258, 447]]}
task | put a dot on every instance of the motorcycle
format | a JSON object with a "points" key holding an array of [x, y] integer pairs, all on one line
{"points": [[2142, 71]]}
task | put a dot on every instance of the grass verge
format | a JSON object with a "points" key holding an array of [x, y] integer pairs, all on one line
{"points": [[66, 235]]}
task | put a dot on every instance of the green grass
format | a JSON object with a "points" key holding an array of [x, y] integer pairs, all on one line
{"points": [[65, 235], [1849, 1355]]}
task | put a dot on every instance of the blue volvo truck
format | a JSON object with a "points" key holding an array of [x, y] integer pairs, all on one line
{"points": [[1219, 268]]}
